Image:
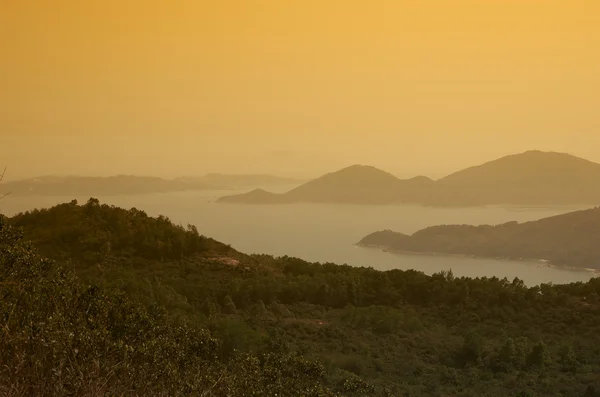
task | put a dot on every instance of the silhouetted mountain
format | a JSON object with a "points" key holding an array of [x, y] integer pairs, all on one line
{"points": [[421, 179], [529, 167], [570, 239], [533, 177], [357, 184], [530, 178], [100, 186], [256, 196], [129, 184]]}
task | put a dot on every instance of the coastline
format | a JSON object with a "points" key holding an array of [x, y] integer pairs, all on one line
{"points": [[537, 262]]}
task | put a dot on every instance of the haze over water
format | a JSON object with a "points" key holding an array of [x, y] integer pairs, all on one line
{"points": [[327, 233], [298, 89]]}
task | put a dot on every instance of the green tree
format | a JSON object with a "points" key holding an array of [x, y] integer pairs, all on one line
{"points": [[472, 348], [507, 356], [539, 357], [523, 350], [568, 359], [228, 305], [259, 309]]}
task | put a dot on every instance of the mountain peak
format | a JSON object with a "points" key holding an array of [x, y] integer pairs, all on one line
{"points": [[539, 155], [421, 179], [358, 168], [529, 166], [535, 153], [356, 183], [357, 173]]}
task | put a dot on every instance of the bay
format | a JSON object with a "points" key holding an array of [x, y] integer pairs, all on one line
{"points": [[328, 233]]}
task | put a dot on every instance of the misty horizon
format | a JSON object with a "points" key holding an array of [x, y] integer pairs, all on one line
{"points": [[293, 173]]}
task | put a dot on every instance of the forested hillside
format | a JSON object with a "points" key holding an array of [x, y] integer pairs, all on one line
{"points": [[135, 303], [63, 337]]}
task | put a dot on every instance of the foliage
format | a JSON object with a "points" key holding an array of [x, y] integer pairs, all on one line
{"points": [[304, 327], [93, 232], [59, 338]]}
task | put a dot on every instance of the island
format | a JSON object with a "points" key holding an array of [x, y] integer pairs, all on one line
{"points": [[569, 240], [529, 178], [357, 184], [133, 184]]}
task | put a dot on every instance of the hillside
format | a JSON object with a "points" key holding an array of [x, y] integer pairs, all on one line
{"points": [[355, 184], [256, 196], [92, 231], [156, 309], [569, 240], [100, 186], [529, 167], [62, 337], [533, 177], [529, 178]]}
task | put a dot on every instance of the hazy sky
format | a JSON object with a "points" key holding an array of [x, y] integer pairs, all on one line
{"points": [[293, 87]]}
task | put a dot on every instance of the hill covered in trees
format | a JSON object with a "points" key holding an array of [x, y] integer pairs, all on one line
{"points": [[61, 337], [130, 304], [568, 240], [530, 178]]}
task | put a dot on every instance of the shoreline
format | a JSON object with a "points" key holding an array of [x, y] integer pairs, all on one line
{"points": [[537, 262]]}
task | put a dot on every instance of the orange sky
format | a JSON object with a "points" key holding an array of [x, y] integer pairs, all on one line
{"points": [[294, 87]]}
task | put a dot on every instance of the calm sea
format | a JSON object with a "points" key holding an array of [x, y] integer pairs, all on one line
{"points": [[327, 233]]}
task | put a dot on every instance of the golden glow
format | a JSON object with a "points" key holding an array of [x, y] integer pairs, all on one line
{"points": [[294, 86]]}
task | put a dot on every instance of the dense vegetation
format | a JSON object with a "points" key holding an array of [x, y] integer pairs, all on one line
{"points": [[570, 240], [60, 337], [174, 313]]}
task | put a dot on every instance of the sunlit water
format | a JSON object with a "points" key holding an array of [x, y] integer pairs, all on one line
{"points": [[327, 233]]}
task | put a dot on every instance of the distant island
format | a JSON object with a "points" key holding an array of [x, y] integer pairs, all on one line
{"points": [[241, 180], [569, 240], [130, 184], [529, 178], [357, 184]]}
